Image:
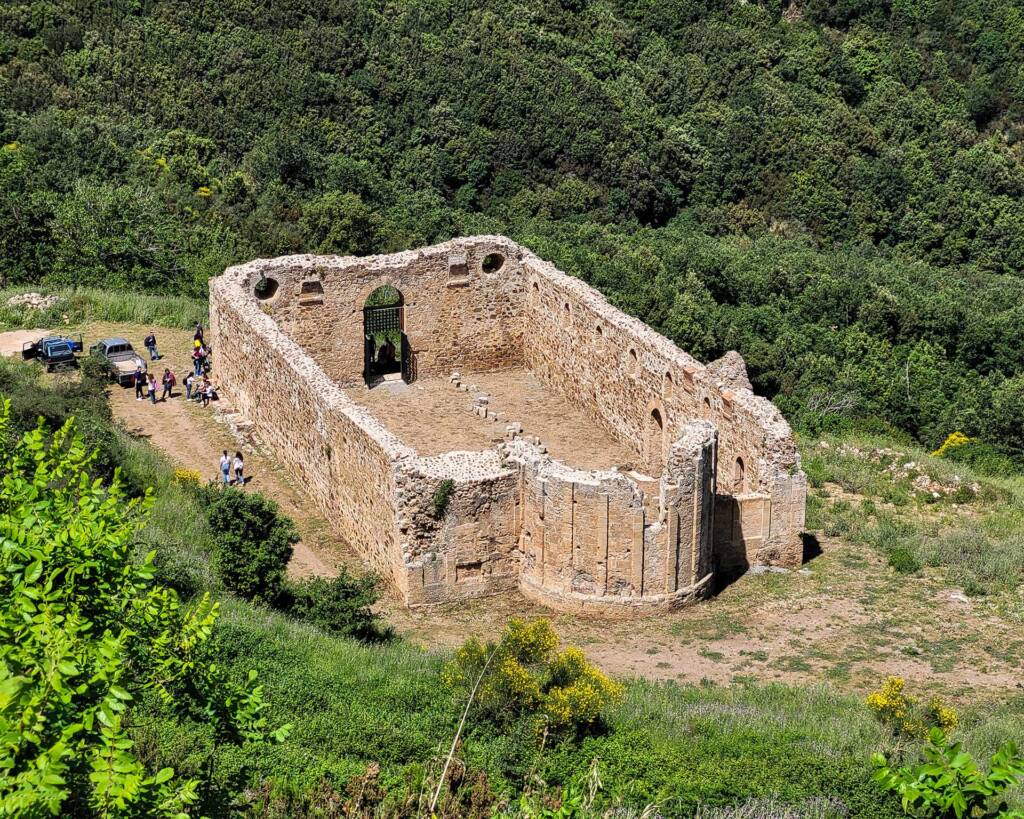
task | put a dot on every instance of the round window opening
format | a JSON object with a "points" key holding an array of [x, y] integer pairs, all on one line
{"points": [[493, 262], [266, 289]]}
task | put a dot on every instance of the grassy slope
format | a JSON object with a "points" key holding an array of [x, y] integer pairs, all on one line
{"points": [[85, 304]]}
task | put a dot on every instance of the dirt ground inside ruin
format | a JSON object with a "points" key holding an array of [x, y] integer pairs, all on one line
{"points": [[845, 618], [432, 416]]}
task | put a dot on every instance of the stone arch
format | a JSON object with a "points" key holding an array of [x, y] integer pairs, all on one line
{"points": [[386, 349], [654, 439], [739, 476]]}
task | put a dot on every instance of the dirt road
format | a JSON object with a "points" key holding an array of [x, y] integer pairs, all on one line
{"points": [[193, 438]]}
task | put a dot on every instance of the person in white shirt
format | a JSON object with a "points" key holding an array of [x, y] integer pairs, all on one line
{"points": [[239, 466], [225, 468]]}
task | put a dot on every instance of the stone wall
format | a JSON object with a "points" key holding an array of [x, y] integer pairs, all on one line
{"points": [[644, 390], [340, 456], [593, 541], [457, 314]]}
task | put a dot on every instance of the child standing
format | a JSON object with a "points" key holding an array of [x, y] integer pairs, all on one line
{"points": [[152, 388]]}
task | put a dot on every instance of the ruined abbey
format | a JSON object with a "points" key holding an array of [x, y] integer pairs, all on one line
{"points": [[474, 421]]}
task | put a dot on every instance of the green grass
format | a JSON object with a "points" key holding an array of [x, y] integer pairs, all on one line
{"points": [[976, 539], [83, 305]]}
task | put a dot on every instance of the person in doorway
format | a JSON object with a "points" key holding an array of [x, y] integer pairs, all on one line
{"points": [[139, 379], [387, 354], [150, 342], [239, 466], [225, 468], [168, 384], [189, 380], [152, 388]]}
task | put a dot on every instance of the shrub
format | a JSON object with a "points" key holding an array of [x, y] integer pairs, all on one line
{"points": [[252, 544], [85, 633], [524, 675], [442, 497], [338, 605], [949, 782], [905, 715], [903, 560]]}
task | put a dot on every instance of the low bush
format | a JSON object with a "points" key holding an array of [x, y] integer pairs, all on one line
{"points": [[524, 675], [252, 543], [338, 605]]}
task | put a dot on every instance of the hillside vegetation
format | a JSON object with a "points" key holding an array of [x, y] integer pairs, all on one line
{"points": [[834, 188]]}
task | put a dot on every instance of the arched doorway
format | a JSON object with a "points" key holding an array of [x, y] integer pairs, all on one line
{"points": [[386, 353], [654, 444]]}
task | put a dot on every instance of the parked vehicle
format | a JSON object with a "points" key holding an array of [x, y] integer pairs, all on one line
{"points": [[53, 352], [120, 358]]}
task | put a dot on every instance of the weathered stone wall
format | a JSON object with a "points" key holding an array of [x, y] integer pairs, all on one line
{"points": [[338, 454], [594, 542], [645, 389], [457, 314]]}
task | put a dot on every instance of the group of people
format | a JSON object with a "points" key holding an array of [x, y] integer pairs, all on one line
{"points": [[227, 465], [198, 386], [146, 384]]}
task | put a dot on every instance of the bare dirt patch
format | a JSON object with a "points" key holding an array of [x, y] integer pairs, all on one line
{"points": [[432, 417], [12, 341]]}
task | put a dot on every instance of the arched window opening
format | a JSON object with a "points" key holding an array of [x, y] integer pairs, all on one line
{"points": [[655, 444], [670, 384], [707, 408], [386, 351], [634, 362], [567, 314], [739, 478]]}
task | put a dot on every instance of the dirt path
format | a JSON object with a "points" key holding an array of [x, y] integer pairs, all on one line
{"points": [[192, 438], [11, 342]]}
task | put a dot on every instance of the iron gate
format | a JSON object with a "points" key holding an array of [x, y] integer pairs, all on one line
{"points": [[382, 324]]}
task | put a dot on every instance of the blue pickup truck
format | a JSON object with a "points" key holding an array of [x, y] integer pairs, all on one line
{"points": [[53, 352]]}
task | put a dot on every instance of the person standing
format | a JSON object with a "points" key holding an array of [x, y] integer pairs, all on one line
{"points": [[239, 466], [199, 333], [152, 388], [140, 383], [197, 358], [225, 468], [150, 342], [168, 382], [189, 380]]}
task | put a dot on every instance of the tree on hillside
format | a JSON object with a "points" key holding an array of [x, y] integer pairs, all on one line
{"points": [[84, 632]]}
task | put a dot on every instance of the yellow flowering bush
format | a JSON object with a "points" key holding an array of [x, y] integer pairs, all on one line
{"points": [[953, 440], [528, 676], [905, 715], [187, 477]]}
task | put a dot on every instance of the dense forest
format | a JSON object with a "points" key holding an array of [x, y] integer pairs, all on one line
{"points": [[833, 188]]}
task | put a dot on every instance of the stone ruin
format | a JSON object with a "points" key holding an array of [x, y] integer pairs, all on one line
{"points": [[532, 436]]}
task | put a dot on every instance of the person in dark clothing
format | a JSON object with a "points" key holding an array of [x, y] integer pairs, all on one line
{"points": [[168, 383], [150, 342], [199, 333], [140, 382]]}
